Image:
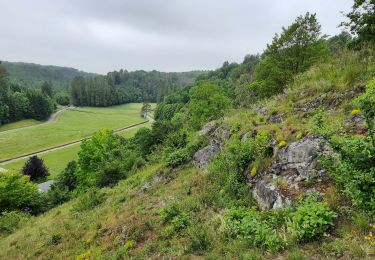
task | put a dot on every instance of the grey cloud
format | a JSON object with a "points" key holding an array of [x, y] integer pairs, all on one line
{"points": [[168, 35]]}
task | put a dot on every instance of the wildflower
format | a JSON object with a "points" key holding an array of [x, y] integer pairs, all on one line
{"points": [[282, 144], [129, 244], [355, 112], [299, 136], [253, 171]]}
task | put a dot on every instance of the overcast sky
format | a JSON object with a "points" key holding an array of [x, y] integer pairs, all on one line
{"points": [[167, 35]]}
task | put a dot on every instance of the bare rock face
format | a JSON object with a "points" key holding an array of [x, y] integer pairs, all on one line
{"points": [[245, 136], [330, 99], [217, 135], [202, 158], [295, 171], [301, 158], [356, 124], [268, 196], [207, 129], [261, 110], [276, 118], [309, 105]]}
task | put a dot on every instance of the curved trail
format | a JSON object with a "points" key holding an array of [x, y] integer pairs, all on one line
{"points": [[25, 156], [50, 120]]}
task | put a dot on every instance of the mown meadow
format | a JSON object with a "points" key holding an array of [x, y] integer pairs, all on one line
{"points": [[72, 124], [58, 159]]}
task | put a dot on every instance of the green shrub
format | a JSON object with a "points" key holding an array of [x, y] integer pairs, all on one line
{"points": [[99, 160], [12, 220], [110, 174], [228, 168], [168, 213], [18, 193], [312, 219], [207, 102], [176, 219], [361, 221], [89, 200], [354, 169], [176, 139], [129, 244], [366, 103], [335, 248], [318, 124], [198, 239], [247, 224], [180, 222], [68, 178], [176, 158], [57, 195]]}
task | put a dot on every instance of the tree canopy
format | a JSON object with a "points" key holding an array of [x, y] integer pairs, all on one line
{"points": [[293, 51], [361, 20]]}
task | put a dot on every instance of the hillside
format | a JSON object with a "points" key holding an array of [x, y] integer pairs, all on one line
{"points": [[271, 158], [161, 212], [34, 74]]}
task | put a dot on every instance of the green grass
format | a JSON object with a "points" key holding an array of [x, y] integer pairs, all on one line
{"points": [[58, 159], [19, 124], [69, 126], [55, 160]]}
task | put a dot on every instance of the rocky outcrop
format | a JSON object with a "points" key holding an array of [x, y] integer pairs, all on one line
{"points": [[356, 124], [295, 171], [217, 137], [330, 99], [268, 197], [207, 129], [276, 118], [203, 157], [245, 136], [300, 158], [309, 105], [261, 110]]}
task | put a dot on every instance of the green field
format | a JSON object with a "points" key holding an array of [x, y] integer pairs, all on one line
{"points": [[71, 125], [58, 159], [19, 124]]}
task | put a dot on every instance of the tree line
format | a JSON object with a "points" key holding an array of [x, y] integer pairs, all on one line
{"points": [[18, 102], [119, 87], [298, 47]]}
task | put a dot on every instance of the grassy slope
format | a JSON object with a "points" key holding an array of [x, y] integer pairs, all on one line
{"points": [[69, 126], [130, 213]]}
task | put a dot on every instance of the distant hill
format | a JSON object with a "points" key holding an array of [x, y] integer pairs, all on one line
{"points": [[34, 74]]}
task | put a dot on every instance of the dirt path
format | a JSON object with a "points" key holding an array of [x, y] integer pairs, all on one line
{"points": [[127, 128], [50, 120]]}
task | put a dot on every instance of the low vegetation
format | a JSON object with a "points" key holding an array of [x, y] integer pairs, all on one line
{"points": [[143, 197]]}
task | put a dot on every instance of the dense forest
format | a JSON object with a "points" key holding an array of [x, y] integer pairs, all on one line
{"points": [[18, 102], [272, 158], [119, 87], [33, 75]]}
